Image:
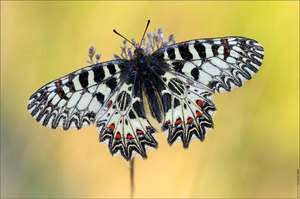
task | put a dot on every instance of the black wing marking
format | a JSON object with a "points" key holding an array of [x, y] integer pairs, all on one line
{"points": [[123, 124], [74, 100], [220, 63]]}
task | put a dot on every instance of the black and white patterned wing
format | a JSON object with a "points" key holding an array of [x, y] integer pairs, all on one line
{"points": [[194, 71], [219, 63], [108, 93], [74, 100], [123, 124]]}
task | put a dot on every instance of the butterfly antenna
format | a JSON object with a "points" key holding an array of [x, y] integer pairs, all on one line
{"points": [[123, 37], [148, 22]]}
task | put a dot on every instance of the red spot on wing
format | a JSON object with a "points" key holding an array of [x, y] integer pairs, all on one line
{"points": [[109, 103], [198, 113], [148, 127], [139, 132], [167, 124], [190, 82], [178, 121], [129, 136], [199, 102], [61, 93], [227, 51], [112, 127], [118, 136], [189, 120], [57, 83]]}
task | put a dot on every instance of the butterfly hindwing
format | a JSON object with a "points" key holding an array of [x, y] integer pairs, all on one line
{"points": [[187, 109], [74, 100], [124, 125]]}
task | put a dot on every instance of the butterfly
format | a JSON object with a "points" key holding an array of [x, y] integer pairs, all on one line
{"points": [[176, 81]]}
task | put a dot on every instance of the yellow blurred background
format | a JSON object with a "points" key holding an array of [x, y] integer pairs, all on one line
{"points": [[252, 152]]}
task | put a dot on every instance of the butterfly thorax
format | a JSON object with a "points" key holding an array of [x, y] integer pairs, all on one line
{"points": [[140, 61]]}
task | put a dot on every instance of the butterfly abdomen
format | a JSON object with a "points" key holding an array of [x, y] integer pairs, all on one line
{"points": [[151, 84], [153, 99]]}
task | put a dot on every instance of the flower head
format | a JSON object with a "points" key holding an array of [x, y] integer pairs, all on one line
{"points": [[149, 44]]}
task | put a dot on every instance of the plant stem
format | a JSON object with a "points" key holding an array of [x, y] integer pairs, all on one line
{"points": [[131, 168]]}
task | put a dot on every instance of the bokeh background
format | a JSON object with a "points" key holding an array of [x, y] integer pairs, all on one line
{"points": [[252, 152]]}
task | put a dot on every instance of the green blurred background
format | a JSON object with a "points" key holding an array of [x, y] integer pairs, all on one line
{"points": [[252, 152]]}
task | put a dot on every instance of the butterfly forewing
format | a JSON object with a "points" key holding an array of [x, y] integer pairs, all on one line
{"points": [[219, 63], [74, 101]]}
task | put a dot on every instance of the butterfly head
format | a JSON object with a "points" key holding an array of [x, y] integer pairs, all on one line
{"points": [[139, 52]]}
